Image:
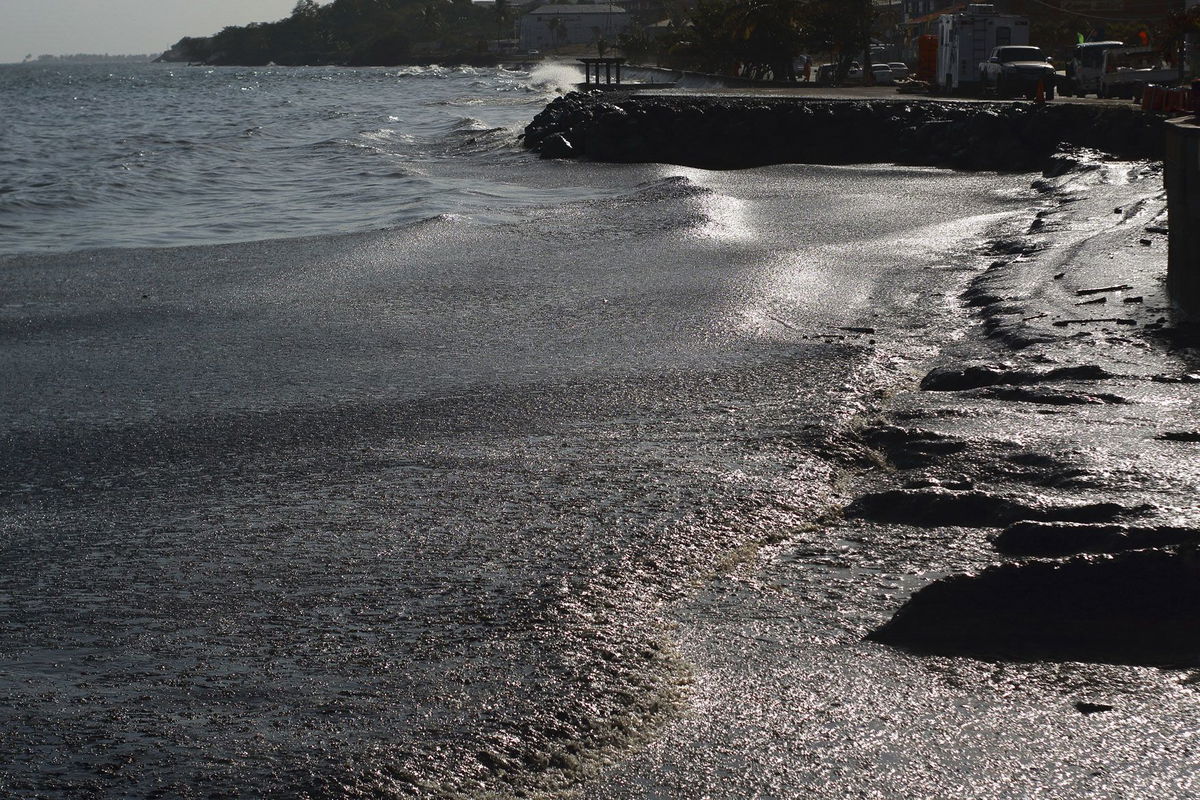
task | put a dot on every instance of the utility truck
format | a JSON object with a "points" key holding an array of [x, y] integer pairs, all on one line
{"points": [[969, 37], [1085, 68], [1129, 70], [1110, 69]]}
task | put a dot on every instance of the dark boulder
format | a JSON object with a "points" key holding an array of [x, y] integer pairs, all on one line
{"points": [[953, 379], [975, 376], [934, 507], [1019, 394], [1139, 607], [557, 146], [1050, 539]]}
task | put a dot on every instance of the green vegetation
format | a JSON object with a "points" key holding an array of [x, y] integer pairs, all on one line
{"points": [[769, 33], [354, 32], [714, 35]]}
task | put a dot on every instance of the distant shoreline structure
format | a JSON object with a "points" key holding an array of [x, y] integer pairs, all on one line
{"points": [[87, 58]]}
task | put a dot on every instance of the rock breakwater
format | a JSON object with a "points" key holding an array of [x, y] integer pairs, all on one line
{"points": [[737, 132]]}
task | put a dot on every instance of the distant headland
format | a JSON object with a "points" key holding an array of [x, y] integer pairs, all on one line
{"points": [[355, 34]]}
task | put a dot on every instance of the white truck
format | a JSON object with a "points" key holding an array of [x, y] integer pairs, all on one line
{"points": [[1110, 69], [967, 38], [1129, 70], [1018, 70], [1085, 68]]}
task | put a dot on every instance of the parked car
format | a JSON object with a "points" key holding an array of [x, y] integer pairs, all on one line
{"points": [[1017, 70], [900, 70], [881, 74], [826, 72]]}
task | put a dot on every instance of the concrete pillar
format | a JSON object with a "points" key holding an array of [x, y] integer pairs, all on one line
{"points": [[1182, 177]]}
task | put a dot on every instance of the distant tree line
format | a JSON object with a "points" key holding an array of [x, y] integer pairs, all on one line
{"points": [[353, 32], [713, 36], [718, 34]]}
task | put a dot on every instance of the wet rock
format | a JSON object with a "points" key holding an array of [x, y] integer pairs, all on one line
{"points": [[1015, 247], [1139, 607], [1052, 539], [982, 299], [557, 146], [732, 132], [1190, 377], [1082, 372], [1116, 288], [1179, 436], [1062, 323], [1042, 469], [1061, 163], [906, 448], [1019, 394], [953, 379], [936, 506], [925, 482], [1086, 708]]}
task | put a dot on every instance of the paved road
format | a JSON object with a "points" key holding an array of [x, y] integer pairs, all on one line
{"points": [[856, 93]]}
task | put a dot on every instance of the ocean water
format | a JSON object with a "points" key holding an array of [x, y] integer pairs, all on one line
{"points": [[351, 451], [146, 155]]}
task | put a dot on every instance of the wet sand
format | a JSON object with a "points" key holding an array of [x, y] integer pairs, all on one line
{"points": [[774, 711]]}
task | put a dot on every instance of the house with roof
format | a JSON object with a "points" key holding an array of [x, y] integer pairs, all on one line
{"points": [[558, 25]]}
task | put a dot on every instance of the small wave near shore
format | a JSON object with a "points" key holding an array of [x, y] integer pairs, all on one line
{"points": [[158, 155]]}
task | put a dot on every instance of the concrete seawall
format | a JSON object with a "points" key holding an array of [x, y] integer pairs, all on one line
{"points": [[721, 132], [1181, 173]]}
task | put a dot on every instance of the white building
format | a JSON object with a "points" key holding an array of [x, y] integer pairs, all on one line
{"points": [[552, 26]]}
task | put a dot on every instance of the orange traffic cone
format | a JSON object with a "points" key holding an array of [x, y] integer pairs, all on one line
{"points": [[1040, 97]]}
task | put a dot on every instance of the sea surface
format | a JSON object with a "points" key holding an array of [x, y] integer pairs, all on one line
{"points": [[349, 450]]}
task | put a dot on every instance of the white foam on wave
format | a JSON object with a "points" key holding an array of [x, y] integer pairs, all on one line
{"points": [[471, 124], [556, 77], [433, 70]]}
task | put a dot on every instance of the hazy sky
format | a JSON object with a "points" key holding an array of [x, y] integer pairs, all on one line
{"points": [[120, 26]]}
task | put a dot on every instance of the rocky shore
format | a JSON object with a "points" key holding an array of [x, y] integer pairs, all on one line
{"points": [[721, 132], [1060, 428], [1057, 426]]}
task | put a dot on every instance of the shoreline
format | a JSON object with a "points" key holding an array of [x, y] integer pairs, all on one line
{"points": [[1036, 350], [987, 716], [1071, 339]]}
